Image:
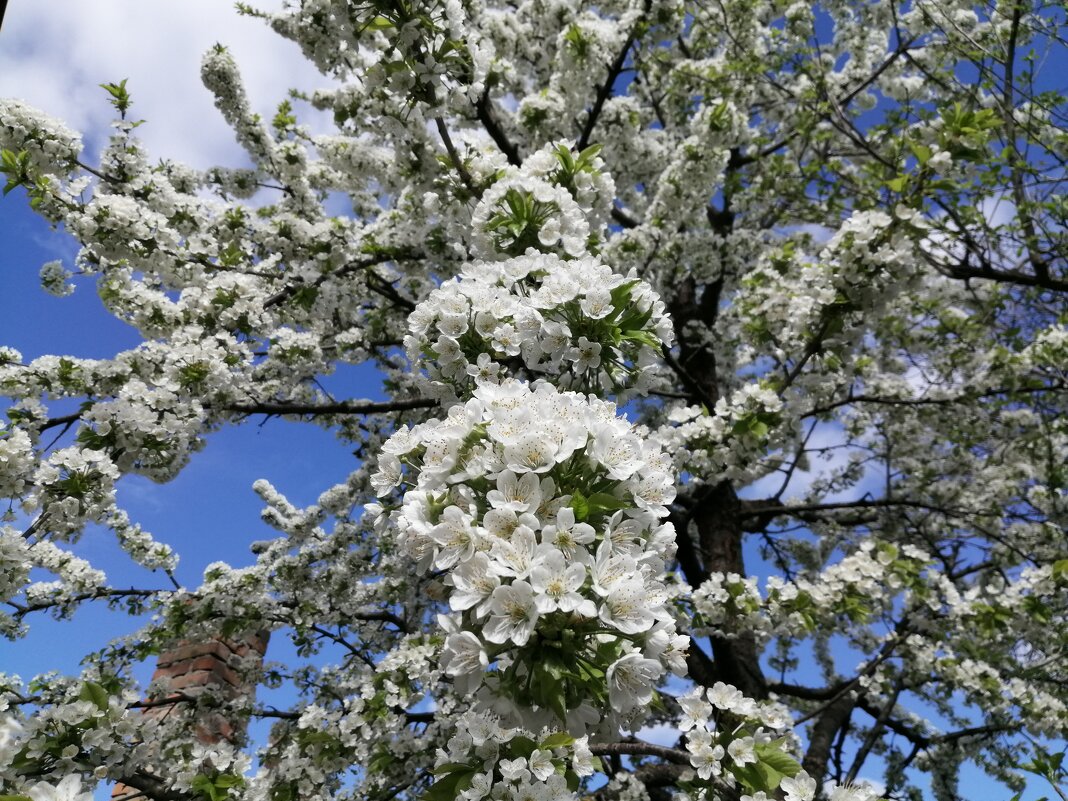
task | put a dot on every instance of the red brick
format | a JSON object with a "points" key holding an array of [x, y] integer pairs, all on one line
{"points": [[186, 650], [189, 667]]}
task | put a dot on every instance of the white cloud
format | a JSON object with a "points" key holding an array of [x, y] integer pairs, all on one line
{"points": [[55, 53]]}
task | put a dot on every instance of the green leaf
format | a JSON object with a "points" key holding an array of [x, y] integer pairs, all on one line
{"points": [[557, 702], [769, 777], [93, 692], [217, 788], [120, 98], [580, 505], [586, 157], [451, 767], [621, 294], [465, 781], [204, 786], [771, 754], [573, 780], [448, 788], [921, 152], [305, 297], [1060, 570], [16, 166], [643, 338], [748, 776], [382, 760], [897, 184], [560, 739], [603, 502], [521, 747]]}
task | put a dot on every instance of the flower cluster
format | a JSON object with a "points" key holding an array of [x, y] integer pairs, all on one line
{"points": [[16, 461], [729, 734], [730, 440], [583, 47], [728, 604], [420, 50], [73, 487], [517, 214], [53, 148], [544, 510], [557, 202], [625, 786], [85, 730], [599, 331], [147, 429], [55, 279], [14, 563], [69, 788], [485, 760], [855, 588]]}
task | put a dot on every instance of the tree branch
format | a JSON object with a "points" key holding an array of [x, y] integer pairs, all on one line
{"points": [[639, 748], [454, 156], [485, 116], [605, 90], [273, 409], [924, 401], [21, 610], [863, 503], [347, 269]]}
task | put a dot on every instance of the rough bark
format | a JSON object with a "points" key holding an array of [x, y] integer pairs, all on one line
{"points": [[717, 515], [821, 736]]}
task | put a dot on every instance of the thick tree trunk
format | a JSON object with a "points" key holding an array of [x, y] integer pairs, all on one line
{"points": [[720, 531], [821, 736], [717, 514]]}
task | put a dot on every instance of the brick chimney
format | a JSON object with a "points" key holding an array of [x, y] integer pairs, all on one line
{"points": [[191, 668]]}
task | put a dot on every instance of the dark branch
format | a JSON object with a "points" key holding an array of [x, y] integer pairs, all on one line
{"points": [[925, 401], [876, 503], [21, 610], [641, 749], [605, 90], [454, 156], [348, 269], [485, 116], [346, 407], [1042, 280]]}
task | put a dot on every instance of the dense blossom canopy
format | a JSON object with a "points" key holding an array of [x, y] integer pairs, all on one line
{"points": [[720, 451]]}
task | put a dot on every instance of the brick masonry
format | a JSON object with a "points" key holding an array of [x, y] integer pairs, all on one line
{"points": [[190, 668]]}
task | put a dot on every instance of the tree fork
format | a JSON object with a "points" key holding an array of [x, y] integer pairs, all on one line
{"points": [[822, 734]]}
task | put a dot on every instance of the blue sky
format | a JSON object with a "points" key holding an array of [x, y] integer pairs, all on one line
{"points": [[209, 511], [53, 54]]}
